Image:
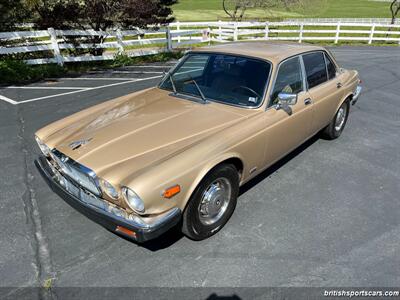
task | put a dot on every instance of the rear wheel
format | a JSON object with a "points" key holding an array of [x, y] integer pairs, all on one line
{"points": [[212, 203], [336, 126]]}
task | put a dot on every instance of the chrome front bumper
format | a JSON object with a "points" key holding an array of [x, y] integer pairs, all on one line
{"points": [[356, 95], [103, 212]]}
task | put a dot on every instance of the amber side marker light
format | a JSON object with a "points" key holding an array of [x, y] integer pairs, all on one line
{"points": [[126, 231], [172, 191]]}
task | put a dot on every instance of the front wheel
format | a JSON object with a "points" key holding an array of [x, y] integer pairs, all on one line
{"points": [[212, 203], [336, 126]]}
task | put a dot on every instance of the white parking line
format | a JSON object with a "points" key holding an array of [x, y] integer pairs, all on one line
{"points": [[155, 66], [87, 89], [136, 72], [8, 100], [95, 78], [194, 67], [46, 88]]}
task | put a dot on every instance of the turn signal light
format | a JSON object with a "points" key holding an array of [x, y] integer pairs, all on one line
{"points": [[172, 191], [126, 231]]}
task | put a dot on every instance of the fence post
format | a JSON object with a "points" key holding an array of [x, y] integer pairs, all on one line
{"points": [[169, 39], [120, 41], [235, 32], [301, 32], [220, 30], [54, 44], [337, 33], [178, 27], [266, 30], [371, 34]]}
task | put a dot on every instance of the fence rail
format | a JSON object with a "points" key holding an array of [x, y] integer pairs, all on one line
{"points": [[345, 20], [61, 46]]}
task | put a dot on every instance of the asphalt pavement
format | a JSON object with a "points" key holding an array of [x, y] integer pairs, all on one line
{"points": [[326, 215]]}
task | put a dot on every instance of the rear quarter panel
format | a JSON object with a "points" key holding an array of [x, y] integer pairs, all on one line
{"points": [[350, 81]]}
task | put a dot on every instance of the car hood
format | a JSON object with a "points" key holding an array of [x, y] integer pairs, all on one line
{"points": [[140, 131]]}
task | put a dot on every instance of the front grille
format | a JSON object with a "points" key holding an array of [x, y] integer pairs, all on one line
{"points": [[76, 172]]}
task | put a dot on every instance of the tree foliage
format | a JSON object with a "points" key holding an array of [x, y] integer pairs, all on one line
{"points": [[100, 14], [11, 13]]}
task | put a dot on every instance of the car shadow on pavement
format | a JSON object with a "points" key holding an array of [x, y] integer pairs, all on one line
{"points": [[164, 241], [174, 235], [276, 166]]}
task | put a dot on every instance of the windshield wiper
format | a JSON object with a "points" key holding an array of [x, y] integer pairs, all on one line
{"points": [[172, 82], [198, 89]]}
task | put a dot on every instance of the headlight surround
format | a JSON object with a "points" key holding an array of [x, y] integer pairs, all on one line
{"points": [[43, 147], [133, 200], [109, 189]]}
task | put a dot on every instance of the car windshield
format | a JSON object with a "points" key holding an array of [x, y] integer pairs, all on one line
{"points": [[229, 79]]}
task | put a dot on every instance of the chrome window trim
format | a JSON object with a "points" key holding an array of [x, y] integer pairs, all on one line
{"points": [[264, 96], [304, 74]]}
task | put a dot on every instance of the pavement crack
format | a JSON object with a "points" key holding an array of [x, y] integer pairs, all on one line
{"points": [[43, 264]]}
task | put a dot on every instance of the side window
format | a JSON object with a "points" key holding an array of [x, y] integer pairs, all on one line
{"points": [[314, 64], [330, 66], [289, 79]]}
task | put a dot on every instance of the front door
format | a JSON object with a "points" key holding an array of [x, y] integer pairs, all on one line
{"points": [[286, 132]]}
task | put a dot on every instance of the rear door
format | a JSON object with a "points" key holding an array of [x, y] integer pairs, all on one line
{"points": [[324, 86]]}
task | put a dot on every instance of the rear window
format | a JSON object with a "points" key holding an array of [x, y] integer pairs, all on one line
{"points": [[330, 67], [315, 69]]}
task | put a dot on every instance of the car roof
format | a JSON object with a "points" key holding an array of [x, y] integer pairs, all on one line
{"points": [[272, 51]]}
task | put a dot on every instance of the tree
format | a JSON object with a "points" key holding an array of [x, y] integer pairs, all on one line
{"points": [[394, 10], [100, 15], [11, 13], [236, 9]]}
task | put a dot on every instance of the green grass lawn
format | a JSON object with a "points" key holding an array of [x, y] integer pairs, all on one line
{"points": [[211, 10]]}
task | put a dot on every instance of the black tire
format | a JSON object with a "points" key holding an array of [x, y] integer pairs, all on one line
{"points": [[333, 130], [193, 225]]}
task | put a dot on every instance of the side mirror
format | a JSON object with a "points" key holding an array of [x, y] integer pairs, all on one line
{"points": [[285, 100]]}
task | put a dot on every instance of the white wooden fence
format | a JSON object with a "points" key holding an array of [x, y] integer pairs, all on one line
{"points": [[52, 46], [344, 20]]}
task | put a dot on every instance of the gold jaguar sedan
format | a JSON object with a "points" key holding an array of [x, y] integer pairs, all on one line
{"points": [[176, 154]]}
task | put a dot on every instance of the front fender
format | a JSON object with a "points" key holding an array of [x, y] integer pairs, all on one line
{"points": [[207, 168]]}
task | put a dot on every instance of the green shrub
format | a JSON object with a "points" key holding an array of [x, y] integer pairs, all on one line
{"points": [[13, 71], [16, 71], [125, 60]]}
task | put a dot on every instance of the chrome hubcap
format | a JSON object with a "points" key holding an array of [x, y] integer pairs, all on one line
{"points": [[214, 201], [340, 118]]}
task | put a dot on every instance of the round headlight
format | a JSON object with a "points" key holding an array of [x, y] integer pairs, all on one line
{"points": [[133, 200], [43, 147], [109, 189]]}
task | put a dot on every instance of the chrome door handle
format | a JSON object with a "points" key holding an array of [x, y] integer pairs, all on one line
{"points": [[339, 85], [307, 101]]}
